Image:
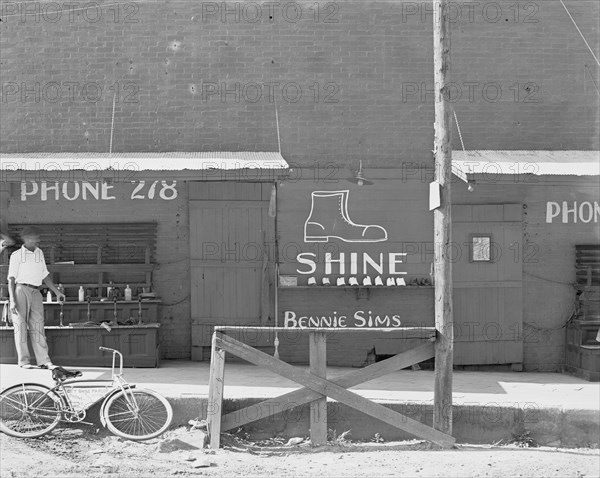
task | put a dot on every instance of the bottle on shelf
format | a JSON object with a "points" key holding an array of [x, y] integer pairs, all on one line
{"points": [[109, 290], [49, 296], [127, 292], [81, 297]]}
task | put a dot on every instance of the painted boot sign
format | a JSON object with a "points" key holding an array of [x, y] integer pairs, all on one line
{"points": [[329, 219]]}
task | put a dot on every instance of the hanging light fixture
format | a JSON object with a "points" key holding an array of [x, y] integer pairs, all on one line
{"points": [[359, 177], [470, 180]]}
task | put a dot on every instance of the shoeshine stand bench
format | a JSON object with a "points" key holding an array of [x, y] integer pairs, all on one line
{"points": [[316, 386]]}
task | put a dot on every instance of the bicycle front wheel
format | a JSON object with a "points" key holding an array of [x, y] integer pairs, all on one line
{"points": [[137, 414], [29, 410]]}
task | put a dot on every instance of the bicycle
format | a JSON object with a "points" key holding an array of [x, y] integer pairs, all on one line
{"points": [[30, 410]]}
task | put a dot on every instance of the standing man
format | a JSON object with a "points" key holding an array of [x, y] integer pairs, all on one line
{"points": [[26, 272]]}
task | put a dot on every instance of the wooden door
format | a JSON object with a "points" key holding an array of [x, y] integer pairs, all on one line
{"points": [[488, 294], [231, 236]]}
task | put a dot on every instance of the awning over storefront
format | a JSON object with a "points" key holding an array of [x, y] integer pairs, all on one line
{"points": [[186, 165], [537, 163]]}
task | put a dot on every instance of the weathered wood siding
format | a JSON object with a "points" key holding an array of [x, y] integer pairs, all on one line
{"points": [[547, 252]]}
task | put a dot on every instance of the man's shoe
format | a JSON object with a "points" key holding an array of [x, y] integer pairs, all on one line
{"points": [[27, 366], [48, 366]]}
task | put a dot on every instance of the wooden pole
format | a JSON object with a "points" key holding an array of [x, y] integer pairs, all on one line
{"points": [[442, 415], [216, 383], [318, 409]]}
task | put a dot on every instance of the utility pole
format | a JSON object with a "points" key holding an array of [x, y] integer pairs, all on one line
{"points": [[442, 223]]}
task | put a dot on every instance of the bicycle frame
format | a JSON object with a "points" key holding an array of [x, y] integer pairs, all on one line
{"points": [[31, 410], [116, 384]]}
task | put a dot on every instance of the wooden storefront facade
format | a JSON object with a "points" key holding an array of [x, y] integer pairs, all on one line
{"points": [[243, 251]]}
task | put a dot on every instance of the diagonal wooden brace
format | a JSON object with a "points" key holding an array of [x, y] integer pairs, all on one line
{"points": [[330, 389], [276, 405]]}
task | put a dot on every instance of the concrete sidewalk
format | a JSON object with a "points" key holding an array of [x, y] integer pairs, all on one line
{"points": [[556, 409]]}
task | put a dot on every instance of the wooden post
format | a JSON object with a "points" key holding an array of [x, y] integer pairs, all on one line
{"points": [[216, 382], [318, 366], [442, 222]]}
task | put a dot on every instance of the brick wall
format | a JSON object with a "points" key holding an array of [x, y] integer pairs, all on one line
{"points": [[188, 76]]}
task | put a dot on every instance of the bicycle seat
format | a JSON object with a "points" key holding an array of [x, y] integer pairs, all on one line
{"points": [[59, 374]]}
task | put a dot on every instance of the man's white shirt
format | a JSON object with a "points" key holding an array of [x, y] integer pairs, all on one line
{"points": [[28, 267]]}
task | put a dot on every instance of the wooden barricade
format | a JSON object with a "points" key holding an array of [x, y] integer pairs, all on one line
{"points": [[316, 386]]}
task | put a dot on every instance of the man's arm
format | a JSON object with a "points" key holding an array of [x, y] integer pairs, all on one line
{"points": [[48, 281], [11, 294], [13, 270]]}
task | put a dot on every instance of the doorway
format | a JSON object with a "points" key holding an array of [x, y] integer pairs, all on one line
{"points": [[487, 282], [232, 241]]}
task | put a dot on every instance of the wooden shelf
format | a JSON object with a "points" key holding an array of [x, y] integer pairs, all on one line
{"points": [[93, 268], [96, 302], [355, 287], [77, 312], [92, 327], [73, 276]]}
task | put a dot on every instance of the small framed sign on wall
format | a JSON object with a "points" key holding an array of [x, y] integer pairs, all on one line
{"points": [[481, 248]]}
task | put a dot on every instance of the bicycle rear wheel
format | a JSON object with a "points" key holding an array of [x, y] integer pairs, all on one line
{"points": [[137, 414], [29, 410]]}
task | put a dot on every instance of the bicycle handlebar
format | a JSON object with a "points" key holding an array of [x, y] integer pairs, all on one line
{"points": [[115, 353]]}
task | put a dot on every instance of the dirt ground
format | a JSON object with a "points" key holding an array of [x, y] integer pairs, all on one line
{"points": [[76, 451]]}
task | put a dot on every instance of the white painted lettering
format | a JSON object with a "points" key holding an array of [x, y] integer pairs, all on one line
{"points": [[566, 211], [90, 188], [25, 192], [46, 188], [361, 322], [368, 260], [65, 191], [572, 212], [332, 321], [84, 190], [329, 261], [289, 319], [552, 210], [353, 263], [307, 262], [590, 212], [105, 188], [395, 258]]}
